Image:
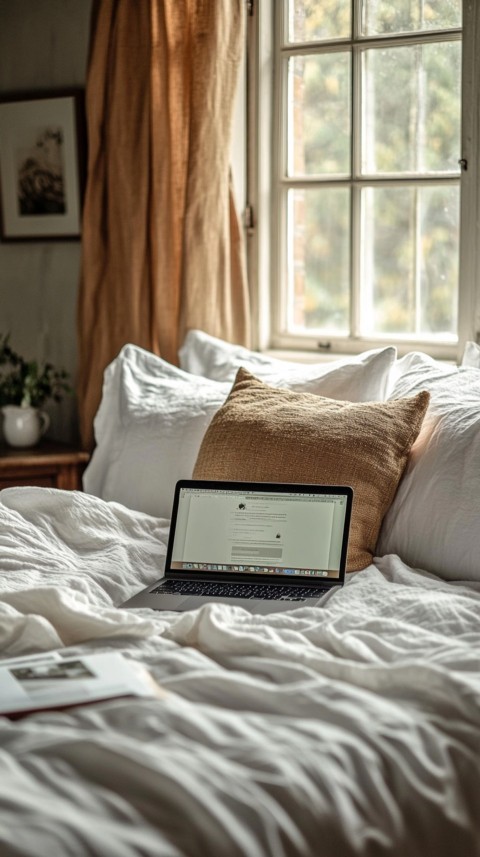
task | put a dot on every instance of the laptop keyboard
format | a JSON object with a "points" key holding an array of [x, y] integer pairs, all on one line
{"points": [[239, 590]]}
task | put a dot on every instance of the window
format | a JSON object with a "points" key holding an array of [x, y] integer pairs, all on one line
{"points": [[365, 174]]}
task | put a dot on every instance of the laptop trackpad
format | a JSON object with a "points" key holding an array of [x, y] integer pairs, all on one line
{"points": [[193, 603]]}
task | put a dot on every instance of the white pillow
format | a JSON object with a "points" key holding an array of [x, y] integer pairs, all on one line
{"points": [[361, 378], [202, 354], [433, 522], [416, 360], [153, 416], [471, 355], [148, 430]]}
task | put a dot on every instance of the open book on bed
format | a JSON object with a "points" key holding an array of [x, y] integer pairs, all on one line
{"points": [[54, 680]]}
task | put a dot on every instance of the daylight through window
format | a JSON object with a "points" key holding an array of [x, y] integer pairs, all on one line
{"points": [[367, 169]]}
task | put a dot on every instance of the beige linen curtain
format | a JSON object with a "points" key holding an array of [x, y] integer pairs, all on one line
{"points": [[162, 247]]}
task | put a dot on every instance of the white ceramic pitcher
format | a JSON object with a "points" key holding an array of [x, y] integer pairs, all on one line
{"points": [[24, 426]]}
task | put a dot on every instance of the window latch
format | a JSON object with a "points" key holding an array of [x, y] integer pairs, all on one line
{"points": [[249, 219]]}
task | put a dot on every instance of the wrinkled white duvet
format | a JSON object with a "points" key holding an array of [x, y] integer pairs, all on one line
{"points": [[352, 729]]}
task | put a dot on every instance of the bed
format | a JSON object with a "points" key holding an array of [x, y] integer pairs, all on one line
{"points": [[352, 728]]}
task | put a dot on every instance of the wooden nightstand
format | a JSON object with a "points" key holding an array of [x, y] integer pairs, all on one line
{"points": [[50, 464]]}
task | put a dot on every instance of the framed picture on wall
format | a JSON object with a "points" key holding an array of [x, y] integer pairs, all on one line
{"points": [[40, 175]]}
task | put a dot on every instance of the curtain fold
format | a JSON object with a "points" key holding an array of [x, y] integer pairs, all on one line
{"points": [[162, 248]]}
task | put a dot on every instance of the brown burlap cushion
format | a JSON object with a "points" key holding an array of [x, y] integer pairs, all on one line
{"points": [[266, 434]]}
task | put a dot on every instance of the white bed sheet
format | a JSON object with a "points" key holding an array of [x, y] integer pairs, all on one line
{"points": [[351, 729]]}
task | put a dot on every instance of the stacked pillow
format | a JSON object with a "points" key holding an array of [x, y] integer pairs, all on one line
{"points": [[471, 355], [148, 430], [153, 416], [362, 378], [433, 522]]}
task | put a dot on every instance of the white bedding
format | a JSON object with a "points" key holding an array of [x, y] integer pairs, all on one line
{"points": [[353, 729]]}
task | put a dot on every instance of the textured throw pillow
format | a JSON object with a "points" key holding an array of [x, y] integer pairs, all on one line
{"points": [[267, 434], [362, 378], [433, 522]]}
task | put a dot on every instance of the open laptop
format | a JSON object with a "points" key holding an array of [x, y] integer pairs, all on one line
{"points": [[267, 547]]}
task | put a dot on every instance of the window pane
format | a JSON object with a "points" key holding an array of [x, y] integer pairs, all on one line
{"points": [[410, 261], [318, 20], [319, 259], [409, 16], [411, 109], [319, 114]]}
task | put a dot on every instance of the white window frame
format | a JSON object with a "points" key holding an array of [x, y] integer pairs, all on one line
{"points": [[266, 269]]}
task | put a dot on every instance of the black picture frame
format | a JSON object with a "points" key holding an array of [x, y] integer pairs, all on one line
{"points": [[42, 156]]}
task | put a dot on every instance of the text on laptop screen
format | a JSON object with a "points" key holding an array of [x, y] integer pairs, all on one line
{"points": [[252, 532]]}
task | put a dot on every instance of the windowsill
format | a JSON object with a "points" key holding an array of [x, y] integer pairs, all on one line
{"points": [[296, 356]]}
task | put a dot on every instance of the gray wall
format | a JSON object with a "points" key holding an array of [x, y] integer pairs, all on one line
{"points": [[43, 46]]}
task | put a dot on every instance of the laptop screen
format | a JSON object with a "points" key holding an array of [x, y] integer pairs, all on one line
{"points": [[298, 531]]}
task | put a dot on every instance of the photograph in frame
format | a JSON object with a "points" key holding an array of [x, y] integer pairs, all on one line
{"points": [[40, 188]]}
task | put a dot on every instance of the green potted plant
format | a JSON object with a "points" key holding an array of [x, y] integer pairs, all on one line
{"points": [[25, 386]]}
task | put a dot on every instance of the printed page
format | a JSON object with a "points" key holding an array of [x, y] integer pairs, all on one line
{"points": [[52, 681]]}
